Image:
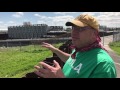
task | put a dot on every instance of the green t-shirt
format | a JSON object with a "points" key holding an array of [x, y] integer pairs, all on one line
{"points": [[95, 63]]}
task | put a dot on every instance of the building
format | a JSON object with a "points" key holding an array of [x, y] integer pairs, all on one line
{"points": [[3, 35], [32, 31], [27, 31]]}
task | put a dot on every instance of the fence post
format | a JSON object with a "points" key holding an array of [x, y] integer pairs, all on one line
{"points": [[7, 44], [119, 35], [113, 35], [103, 37], [20, 45], [34, 45]]}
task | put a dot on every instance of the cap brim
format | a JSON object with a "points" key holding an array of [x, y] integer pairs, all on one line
{"points": [[77, 23]]}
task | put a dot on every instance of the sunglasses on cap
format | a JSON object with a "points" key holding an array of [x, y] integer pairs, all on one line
{"points": [[81, 28]]}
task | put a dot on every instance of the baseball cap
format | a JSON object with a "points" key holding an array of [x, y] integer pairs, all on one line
{"points": [[84, 20]]}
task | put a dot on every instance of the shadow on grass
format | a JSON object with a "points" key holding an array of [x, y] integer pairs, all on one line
{"points": [[35, 51]]}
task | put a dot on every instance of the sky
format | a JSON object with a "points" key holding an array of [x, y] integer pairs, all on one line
{"points": [[109, 19]]}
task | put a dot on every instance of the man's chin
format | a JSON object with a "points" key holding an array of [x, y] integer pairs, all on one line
{"points": [[74, 39], [74, 43]]}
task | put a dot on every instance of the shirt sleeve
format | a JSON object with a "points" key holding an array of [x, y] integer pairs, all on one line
{"points": [[104, 70]]}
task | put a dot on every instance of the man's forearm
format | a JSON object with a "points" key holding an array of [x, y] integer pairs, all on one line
{"points": [[62, 55]]}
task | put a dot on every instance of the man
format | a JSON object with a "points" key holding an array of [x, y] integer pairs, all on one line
{"points": [[88, 58]]}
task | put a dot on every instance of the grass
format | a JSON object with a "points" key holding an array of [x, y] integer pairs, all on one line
{"points": [[15, 62], [115, 46]]}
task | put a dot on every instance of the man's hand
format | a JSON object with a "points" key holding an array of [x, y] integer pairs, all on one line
{"points": [[47, 71], [49, 46]]}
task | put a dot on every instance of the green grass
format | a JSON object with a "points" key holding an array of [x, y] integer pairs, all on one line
{"points": [[15, 62], [115, 46]]}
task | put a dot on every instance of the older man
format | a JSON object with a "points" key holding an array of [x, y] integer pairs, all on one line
{"points": [[88, 59]]}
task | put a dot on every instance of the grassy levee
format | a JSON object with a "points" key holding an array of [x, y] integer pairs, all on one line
{"points": [[15, 62], [115, 46]]}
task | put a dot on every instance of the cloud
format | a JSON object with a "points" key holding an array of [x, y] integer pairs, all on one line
{"points": [[4, 25], [11, 22], [41, 22], [110, 19], [55, 20], [18, 14], [40, 16], [1, 22], [90, 13]]}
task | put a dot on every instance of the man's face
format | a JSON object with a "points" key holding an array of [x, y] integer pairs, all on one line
{"points": [[82, 36]]}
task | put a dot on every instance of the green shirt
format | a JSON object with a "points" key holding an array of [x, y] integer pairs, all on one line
{"points": [[95, 63]]}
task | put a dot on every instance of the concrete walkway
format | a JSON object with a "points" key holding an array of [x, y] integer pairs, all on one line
{"points": [[114, 56]]}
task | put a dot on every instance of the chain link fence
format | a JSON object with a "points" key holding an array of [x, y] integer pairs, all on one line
{"points": [[116, 35], [28, 44], [21, 44]]}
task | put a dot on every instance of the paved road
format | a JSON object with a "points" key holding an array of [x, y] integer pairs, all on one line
{"points": [[105, 41]]}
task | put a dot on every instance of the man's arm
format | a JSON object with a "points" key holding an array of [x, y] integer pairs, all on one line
{"points": [[62, 55]]}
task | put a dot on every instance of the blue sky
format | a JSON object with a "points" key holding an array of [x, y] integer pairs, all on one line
{"points": [[110, 19]]}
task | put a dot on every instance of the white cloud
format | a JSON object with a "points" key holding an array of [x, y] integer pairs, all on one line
{"points": [[18, 14], [55, 20], [36, 15], [41, 22], [11, 22], [40, 16], [90, 13], [1, 22], [62, 18], [4, 25], [110, 19]]}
